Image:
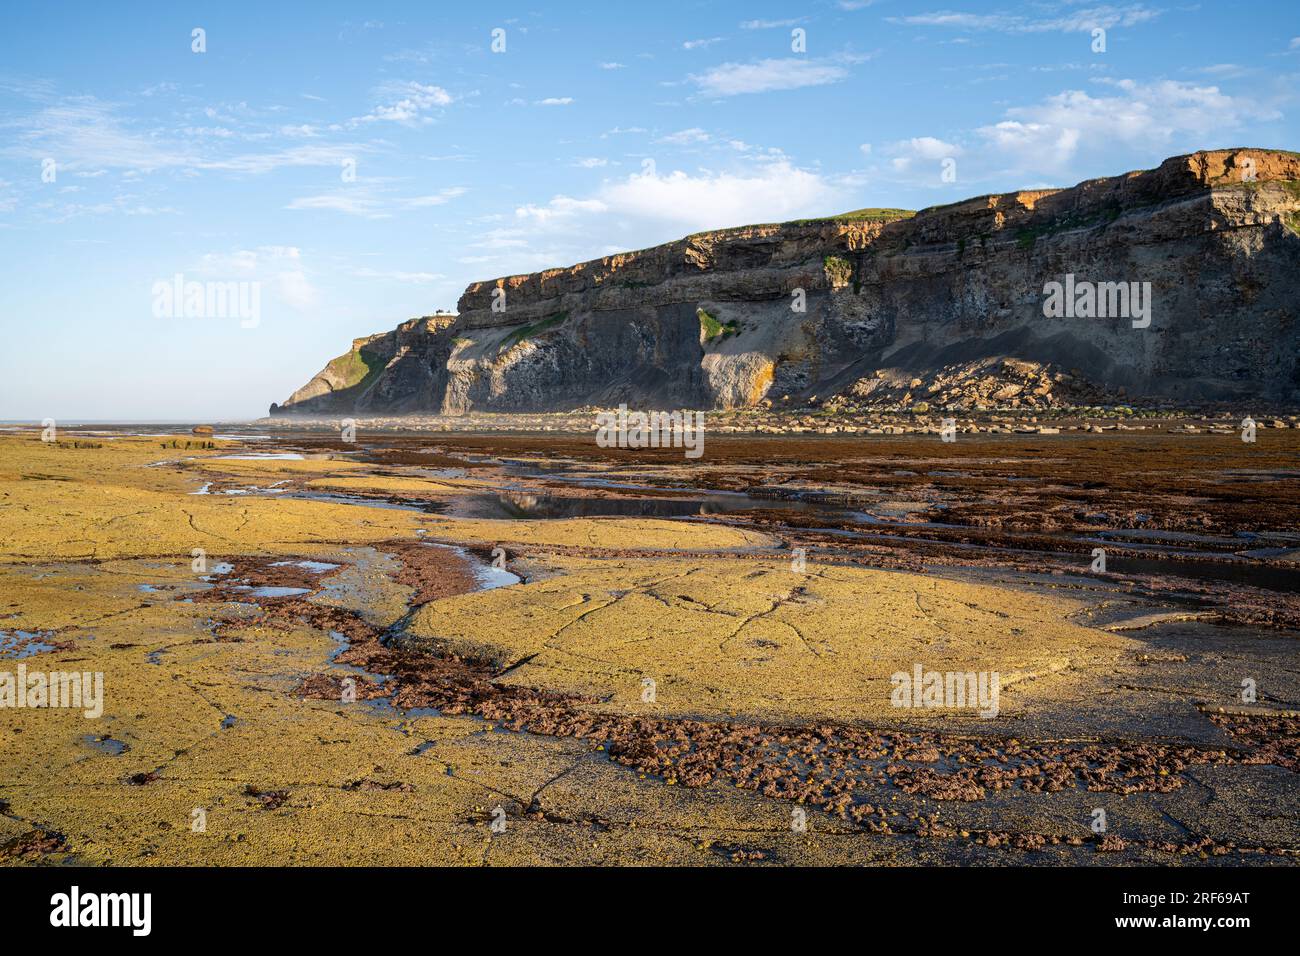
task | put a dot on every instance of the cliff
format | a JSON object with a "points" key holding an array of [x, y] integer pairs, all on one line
{"points": [[888, 297]]}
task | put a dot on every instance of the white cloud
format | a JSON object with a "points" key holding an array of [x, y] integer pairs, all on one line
{"points": [[354, 204], [561, 207], [791, 73], [409, 104], [767, 24], [219, 132], [1155, 117], [611, 66], [124, 205], [87, 136], [279, 268], [927, 147], [295, 156], [437, 199], [773, 192], [700, 44], [369, 203], [1104, 16], [1047, 146], [685, 137], [640, 210], [591, 162], [1221, 69], [295, 290], [84, 131], [554, 101], [646, 208]]}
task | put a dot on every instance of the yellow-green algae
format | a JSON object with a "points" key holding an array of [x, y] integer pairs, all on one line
{"points": [[82, 529], [724, 636], [215, 722]]}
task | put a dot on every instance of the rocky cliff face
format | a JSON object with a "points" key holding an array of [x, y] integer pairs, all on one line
{"points": [[838, 306]]}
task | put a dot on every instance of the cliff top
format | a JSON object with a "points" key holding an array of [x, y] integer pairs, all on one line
{"points": [[1176, 176]]}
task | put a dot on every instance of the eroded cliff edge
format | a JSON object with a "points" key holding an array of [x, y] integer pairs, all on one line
{"points": [[895, 305]]}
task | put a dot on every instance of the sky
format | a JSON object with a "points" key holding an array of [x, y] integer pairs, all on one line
{"points": [[358, 164]]}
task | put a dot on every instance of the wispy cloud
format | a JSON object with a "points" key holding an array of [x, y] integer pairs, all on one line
{"points": [[86, 136], [123, 205], [1085, 19], [351, 203], [685, 137], [372, 202], [83, 131], [315, 155], [561, 207], [436, 199], [927, 148], [765, 76], [768, 24], [408, 103], [416, 278]]}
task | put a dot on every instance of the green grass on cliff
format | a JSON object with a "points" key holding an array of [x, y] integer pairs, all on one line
{"points": [[526, 332], [356, 369], [838, 269], [1291, 186], [871, 214], [1029, 235], [712, 328]]}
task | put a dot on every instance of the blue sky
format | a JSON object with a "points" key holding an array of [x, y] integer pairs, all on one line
{"points": [[127, 158]]}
